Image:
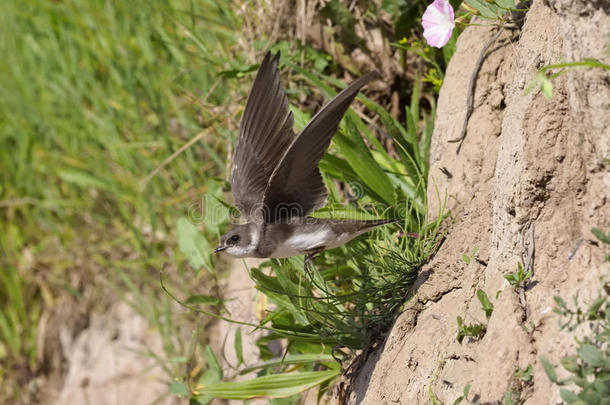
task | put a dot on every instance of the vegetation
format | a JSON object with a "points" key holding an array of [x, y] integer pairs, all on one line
{"points": [[589, 366], [94, 96], [475, 330], [519, 278]]}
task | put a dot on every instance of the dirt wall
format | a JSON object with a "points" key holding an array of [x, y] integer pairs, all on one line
{"points": [[528, 185]]}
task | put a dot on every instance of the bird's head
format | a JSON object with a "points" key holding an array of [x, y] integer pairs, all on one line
{"points": [[237, 242]]}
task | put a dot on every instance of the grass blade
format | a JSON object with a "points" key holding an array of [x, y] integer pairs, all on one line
{"points": [[270, 386]]}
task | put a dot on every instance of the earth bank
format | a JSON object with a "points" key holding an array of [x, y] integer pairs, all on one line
{"points": [[528, 185]]}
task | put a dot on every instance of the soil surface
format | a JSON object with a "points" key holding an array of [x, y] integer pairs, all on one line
{"points": [[108, 362], [245, 304], [527, 186]]}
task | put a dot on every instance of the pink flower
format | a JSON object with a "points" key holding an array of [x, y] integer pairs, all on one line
{"points": [[438, 23]]}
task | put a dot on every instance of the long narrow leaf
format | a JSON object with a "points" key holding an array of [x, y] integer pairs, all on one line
{"points": [[359, 158], [339, 169], [270, 386]]}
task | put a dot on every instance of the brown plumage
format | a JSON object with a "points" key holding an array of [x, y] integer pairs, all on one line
{"points": [[276, 181]]}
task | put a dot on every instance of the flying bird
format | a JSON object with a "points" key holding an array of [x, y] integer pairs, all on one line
{"points": [[276, 182]]}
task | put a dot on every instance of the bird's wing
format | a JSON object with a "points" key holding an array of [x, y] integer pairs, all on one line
{"points": [[265, 132], [296, 187]]}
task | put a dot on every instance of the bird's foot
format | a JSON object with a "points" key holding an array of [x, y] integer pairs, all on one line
{"points": [[309, 258]]}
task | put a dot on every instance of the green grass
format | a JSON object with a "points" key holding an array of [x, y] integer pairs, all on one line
{"points": [[94, 96]]}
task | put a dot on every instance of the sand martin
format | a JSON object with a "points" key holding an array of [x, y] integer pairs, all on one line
{"points": [[276, 182]]}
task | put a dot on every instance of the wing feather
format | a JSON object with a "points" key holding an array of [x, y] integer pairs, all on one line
{"points": [[265, 132], [296, 187]]}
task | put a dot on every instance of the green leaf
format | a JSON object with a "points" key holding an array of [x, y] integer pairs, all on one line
{"points": [[83, 179], [485, 303], [412, 132], [571, 363], [339, 169], [272, 386], [290, 291], [525, 374], [213, 363], [198, 401], [560, 302], [599, 234], [546, 86], [414, 107], [358, 156], [591, 355], [549, 369], [239, 347], [238, 72], [458, 400], [193, 245], [489, 11], [179, 388], [343, 213], [466, 259], [506, 4], [426, 139], [202, 299], [568, 396], [377, 147], [292, 400], [407, 150], [594, 312], [512, 278], [212, 375], [215, 211], [177, 359]]}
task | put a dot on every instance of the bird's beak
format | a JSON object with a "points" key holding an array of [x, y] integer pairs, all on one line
{"points": [[219, 249]]}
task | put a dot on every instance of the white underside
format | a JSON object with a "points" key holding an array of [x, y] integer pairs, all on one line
{"points": [[296, 245], [308, 242]]}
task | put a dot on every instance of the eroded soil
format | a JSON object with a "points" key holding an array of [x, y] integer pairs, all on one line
{"points": [[527, 186]]}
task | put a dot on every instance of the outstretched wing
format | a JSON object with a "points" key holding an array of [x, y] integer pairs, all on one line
{"points": [[296, 187], [265, 132]]}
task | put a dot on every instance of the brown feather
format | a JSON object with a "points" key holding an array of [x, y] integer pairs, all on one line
{"points": [[296, 187], [265, 132]]}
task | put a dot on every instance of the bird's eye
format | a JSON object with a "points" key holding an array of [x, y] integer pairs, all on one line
{"points": [[235, 238]]}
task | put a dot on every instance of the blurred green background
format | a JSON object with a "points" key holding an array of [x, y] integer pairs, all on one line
{"points": [[94, 95]]}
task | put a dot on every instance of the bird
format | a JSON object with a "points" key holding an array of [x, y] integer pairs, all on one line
{"points": [[276, 182]]}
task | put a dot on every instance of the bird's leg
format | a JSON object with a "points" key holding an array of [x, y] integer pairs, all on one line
{"points": [[308, 258], [310, 255]]}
